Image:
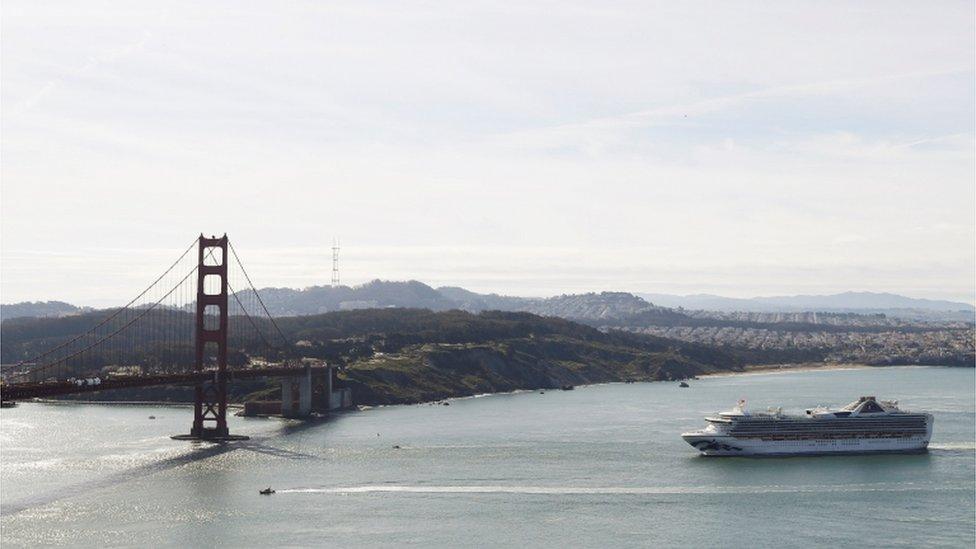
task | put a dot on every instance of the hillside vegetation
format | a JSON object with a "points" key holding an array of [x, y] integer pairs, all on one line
{"points": [[38, 309], [413, 355]]}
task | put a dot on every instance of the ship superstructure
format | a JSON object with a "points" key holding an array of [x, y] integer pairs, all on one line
{"points": [[866, 425]]}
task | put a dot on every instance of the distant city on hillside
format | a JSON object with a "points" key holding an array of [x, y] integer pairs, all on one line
{"points": [[850, 327]]}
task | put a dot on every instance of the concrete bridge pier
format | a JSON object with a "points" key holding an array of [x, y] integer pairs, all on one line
{"points": [[300, 387], [287, 399], [305, 392], [328, 386]]}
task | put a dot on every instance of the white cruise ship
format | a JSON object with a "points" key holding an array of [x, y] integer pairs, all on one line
{"points": [[866, 425]]}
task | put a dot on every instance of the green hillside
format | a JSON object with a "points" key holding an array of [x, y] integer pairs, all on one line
{"points": [[413, 355]]}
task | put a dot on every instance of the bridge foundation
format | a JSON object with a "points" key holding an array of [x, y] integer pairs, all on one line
{"points": [[304, 392], [296, 395]]}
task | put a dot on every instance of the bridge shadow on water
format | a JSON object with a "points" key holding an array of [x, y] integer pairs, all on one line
{"points": [[200, 451], [257, 444]]}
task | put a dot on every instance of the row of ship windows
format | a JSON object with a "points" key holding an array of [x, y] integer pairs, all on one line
{"points": [[833, 421], [828, 431], [827, 427], [833, 436], [827, 418], [847, 442], [813, 436], [830, 427]]}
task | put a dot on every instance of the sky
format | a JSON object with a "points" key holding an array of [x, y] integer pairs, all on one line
{"points": [[524, 148]]}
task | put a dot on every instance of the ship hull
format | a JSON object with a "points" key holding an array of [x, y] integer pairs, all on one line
{"points": [[720, 445]]}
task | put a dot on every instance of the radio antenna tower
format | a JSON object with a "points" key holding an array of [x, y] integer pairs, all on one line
{"points": [[335, 262]]}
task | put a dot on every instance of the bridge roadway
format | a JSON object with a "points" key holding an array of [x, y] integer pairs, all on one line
{"points": [[24, 391]]}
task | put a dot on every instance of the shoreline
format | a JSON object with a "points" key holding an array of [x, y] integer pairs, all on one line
{"points": [[813, 366], [750, 369], [797, 367]]}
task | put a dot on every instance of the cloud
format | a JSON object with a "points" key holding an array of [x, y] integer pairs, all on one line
{"points": [[530, 150], [608, 130]]}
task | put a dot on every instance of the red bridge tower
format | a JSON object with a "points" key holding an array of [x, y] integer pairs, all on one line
{"points": [[210, 406]]}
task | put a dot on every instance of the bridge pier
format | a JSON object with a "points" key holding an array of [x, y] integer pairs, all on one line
{"points": [[328, 386], [302, 385], [287, 397], [306, 391]]}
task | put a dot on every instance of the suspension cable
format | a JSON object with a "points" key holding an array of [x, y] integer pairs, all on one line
{"points": [[118, 331], [116, 313], [251, 320], [261, 301]]}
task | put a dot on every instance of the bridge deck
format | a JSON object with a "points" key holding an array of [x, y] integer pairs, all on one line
{"points": [[23, 391]]}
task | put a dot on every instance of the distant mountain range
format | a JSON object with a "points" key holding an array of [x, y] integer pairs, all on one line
{"points": [[414, 294], [40, 309], [595, 306], [848, 302], [589, 306], [834, 328]]}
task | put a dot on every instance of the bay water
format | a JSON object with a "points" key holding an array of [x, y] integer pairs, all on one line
{"points": [[598, 466]]}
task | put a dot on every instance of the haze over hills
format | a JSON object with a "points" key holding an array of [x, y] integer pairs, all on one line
{"points": [[842, 301], [590, 306], [372, 295], [847, 334], [595, 306], [39, 309], [380, 294], [587, 306], [847, 302]]}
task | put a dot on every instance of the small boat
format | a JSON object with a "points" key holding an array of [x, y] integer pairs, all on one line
{"points": [[567, 387], [152, 417], [267, 491], [7, 404], [683, 384]]}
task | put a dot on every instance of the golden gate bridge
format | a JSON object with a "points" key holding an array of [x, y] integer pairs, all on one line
{"points": [[201, 322]]}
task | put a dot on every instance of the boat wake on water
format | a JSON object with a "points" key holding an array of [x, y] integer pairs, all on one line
{"points": [[613, 490], [954, 446]]}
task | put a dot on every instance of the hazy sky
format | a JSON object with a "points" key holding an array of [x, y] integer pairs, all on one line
{"points": [[740, 148]]}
